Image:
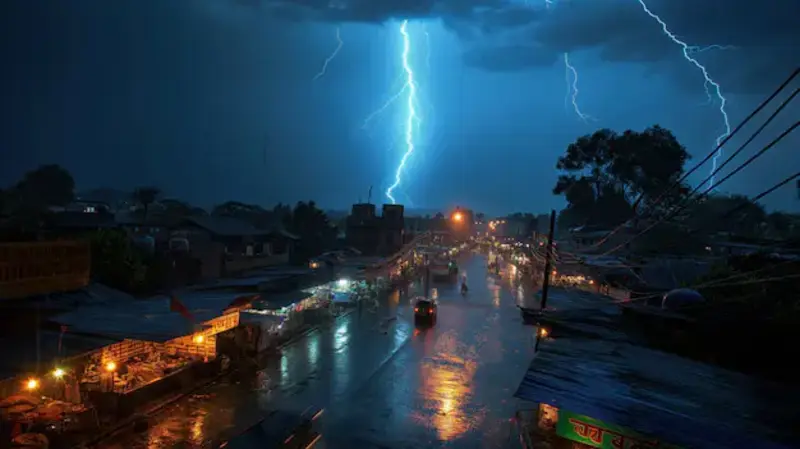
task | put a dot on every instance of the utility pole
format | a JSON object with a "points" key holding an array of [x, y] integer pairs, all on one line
{"points": [[427, 281], [548, 257]]}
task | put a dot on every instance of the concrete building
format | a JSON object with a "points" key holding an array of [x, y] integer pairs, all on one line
{"points": [[376, 235]]}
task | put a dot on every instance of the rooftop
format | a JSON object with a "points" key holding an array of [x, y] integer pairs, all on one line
{"points": [[591, 368], [149, 319]]}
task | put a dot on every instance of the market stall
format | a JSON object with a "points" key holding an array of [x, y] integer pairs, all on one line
{"points": [[152, 363], [38, 420]]}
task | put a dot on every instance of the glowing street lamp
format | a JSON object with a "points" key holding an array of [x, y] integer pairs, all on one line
{"points": [[32, 384], [58, 373], [458, 217]]}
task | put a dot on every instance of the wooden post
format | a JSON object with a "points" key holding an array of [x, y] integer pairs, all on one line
{"points": [[548, 257]]}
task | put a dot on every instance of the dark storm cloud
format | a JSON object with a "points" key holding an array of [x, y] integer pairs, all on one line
{"points": [[379, 11], [764, 34], [510, 58]]}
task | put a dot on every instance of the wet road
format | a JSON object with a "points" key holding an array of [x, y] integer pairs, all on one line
{"points": [[383, 383]]}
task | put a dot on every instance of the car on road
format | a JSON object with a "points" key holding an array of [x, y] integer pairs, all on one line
{"points": [[278, 430], [425, 311]]}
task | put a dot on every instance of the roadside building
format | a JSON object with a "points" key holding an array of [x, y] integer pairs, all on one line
{"points": [[375, 235], [227, 245]]}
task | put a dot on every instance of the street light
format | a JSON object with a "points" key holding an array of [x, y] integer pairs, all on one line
{"points": [[458, 216], [32, 384]]}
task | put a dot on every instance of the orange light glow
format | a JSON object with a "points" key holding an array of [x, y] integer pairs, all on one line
{"points": [[199, 339], [111, 366], [543, 332], [458, 216], [32, 384], [446, 385]]}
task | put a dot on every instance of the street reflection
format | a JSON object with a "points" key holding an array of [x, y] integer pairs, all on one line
{"points": [[179, 427], [447, 387], [312, 348]]}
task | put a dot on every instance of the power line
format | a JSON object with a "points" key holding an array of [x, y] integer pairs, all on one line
{"points": [[730, 212], [748, 141], [708, 157]]}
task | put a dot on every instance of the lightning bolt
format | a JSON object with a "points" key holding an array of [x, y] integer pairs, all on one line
{"points": [[694, 49], [330, 58], [412, 118], [688, 50], [385, 106], [573, 87]]}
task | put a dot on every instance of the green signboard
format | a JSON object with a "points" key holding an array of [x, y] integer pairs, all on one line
{"points": [[596, 433]]}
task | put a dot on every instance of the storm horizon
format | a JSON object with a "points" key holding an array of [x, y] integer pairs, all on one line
{"points": [[266, 102]]}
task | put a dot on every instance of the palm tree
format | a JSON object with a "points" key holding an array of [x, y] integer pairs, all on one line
{"points": [[145, 197]]}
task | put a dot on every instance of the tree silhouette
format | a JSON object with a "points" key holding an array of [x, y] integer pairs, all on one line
{"points": [[604, 172], [312, 226], [48, 185], [145, 197]]}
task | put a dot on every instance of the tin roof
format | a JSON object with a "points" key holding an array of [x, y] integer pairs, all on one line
{"points": [[593, 369], [149, 319]]}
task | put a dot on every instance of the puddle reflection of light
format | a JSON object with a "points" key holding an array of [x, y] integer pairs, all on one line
{"points": [[313, 350], [341, 337], [284, 369], [198, 427], [447, 387], [496, 297]]}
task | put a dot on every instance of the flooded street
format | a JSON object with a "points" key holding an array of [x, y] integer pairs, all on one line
{"points": [[382, 382]]}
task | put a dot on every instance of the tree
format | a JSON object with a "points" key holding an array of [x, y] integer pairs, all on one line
{"points": [[715, 214], [115, 262], [603, 174], [28, 202], [48, 185], [312, 226], [780, 223], [176, 209], [145, 197]]}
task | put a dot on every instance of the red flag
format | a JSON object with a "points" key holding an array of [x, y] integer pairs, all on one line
{"points": [[175, 305]]}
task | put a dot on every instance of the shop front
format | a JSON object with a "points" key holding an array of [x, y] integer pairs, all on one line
{"points": [[274, 318], [562, 429], [127, 375]]}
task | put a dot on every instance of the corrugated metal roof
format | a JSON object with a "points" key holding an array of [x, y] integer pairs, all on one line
{"points": [[591, 368], [149, 319]]}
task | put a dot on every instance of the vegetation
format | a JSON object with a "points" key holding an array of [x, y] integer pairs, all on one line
{"points": [[145, 197], [116, 260], [604, 173], [609, 179], [30, 200]]}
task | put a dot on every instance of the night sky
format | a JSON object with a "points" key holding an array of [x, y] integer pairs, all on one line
{"points": [[214, 100]]}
